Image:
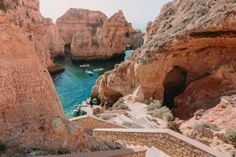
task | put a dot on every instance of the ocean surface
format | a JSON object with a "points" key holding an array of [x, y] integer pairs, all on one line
{"points": [[74, 85]]}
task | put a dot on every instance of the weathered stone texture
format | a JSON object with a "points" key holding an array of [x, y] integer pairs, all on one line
{"points": [[93, 36], [31, 115], [188, 58], [91, 122], [171, 143], [54, 39]]}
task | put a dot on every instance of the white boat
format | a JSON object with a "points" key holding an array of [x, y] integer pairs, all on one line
{"points": [[99, 69], [76, 110], [84, 66], [89, 72]]}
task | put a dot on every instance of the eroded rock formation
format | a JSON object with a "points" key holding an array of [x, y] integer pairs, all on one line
{"points": [[93, 36], [109, 40], [26, 15], [79, 20], [187, 60], [31, 115], [54, 39]]}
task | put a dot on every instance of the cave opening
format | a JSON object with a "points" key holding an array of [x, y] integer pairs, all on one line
{"points": [[67, 48], [174, 85]]}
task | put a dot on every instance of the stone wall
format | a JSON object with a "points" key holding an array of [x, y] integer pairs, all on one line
{"points": [[168, 141], [115, 153], [92, 122]]}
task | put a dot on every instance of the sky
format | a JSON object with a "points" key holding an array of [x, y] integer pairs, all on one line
{"points": [[138, 12]]}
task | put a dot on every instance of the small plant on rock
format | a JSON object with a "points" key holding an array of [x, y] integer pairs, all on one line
{"points": [[156, 109], [168, 117], [173, 126], [230, 134], [159, 112], [153, 104], [120, 105], [201, 125]]}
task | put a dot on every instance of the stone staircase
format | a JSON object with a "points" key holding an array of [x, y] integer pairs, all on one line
{"points": [[168, 141], [142, 142]]}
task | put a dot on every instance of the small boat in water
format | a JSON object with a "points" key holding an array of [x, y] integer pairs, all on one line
{"points": [[89, 72], [84, 66], [99, 69], [76, 110]]}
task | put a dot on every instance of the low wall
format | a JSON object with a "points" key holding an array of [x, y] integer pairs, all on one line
{"points": [[168, 141], [114, 153], [92, 122]]}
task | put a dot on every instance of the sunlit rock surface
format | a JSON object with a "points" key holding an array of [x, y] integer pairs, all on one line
{"points": [[187, 60]]}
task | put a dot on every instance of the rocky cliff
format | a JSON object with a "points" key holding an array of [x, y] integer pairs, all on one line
{"points": [[31, 115], [79, 20], [93, 36], [187, 60], [54, 39], [27, 17]]}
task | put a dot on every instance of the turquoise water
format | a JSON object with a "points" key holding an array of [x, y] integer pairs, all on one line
{"points": [[74, 85]]}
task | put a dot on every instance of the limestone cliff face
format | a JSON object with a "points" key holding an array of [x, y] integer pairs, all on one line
{"points": [[31, 115], [108, 40], [79, 20], [53, 38], [187, 60], [93, 36], [25, 14]]}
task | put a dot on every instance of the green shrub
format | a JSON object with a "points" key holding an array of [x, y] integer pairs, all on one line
{"points": [[168, 117], [200, 125], [120, 105], [173, 126], [230, 134], [154, 105], [156, 109], [159, 112]]}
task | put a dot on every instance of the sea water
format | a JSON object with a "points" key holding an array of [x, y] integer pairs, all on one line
{"points": [[74, 85]]}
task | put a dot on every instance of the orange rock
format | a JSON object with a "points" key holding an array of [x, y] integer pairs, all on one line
{"points": [[54, 39], [31, 115], [93, 36], [79, 20], [187, 60]]}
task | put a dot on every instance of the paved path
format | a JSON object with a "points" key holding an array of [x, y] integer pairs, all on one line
{"points": [[138, 110]]}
